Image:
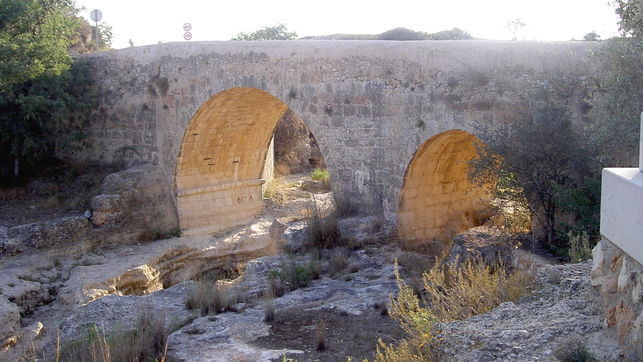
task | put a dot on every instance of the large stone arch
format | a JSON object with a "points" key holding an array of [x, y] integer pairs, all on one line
{"points": [[437, 199], [222, 157]]}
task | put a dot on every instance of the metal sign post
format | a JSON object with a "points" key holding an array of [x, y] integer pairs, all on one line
{"points": [[96, 15]]}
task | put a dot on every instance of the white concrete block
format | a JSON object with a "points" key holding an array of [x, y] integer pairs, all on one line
{"points": [[622, 209], [641, 146]]}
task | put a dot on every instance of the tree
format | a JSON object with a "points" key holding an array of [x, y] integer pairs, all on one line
{"points": [[540, 157], [45, 98], [592, 36], [34, 39], [514, 26], [277, 32], [631, 14], [453, 34], [617, 100], [403, 34]]}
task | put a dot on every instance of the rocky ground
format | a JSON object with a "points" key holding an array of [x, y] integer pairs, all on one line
{"points": [[50, 295]]}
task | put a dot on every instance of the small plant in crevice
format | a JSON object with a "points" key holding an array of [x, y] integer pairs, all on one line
{"points": [[320, 175]]}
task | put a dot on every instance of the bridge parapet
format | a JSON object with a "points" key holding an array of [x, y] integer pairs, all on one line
{"points": [[617, 259]]}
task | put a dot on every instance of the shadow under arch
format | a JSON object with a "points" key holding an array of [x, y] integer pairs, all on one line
{"points": [[437, 200], [222, 157]]}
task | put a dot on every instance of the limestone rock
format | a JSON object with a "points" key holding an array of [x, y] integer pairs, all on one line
{"points": [[9, 322], [535, 326], [315, 187], [100, 218], [488, 244], [225, 337], [360, 229], [59, 232], [114, 311], [26, 294], [107, 203]]}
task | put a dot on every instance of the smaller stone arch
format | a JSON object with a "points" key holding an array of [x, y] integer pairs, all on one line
{"points": [[437, 199]]}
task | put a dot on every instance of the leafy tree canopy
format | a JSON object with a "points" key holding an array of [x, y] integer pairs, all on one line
{"points": [[277, 32], [403, 34], [34, 39], [45, 99], [631, 14], [592, 36]]}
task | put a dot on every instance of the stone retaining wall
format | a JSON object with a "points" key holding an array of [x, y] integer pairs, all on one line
{"points": [[619, 279]]}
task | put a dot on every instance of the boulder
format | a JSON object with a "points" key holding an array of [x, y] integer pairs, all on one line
{"points": [[60, 232], [122, 312]]}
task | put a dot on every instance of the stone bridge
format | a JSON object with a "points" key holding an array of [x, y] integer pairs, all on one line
{"points": [[395, 121]]}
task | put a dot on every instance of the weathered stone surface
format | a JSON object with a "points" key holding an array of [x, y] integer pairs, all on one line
{"points": [[9, 322], [60, 232], [229, 336], [535, 326], [100, 218], [133, 201], [225, 337], [149, 267], [360, 229], [26, 294], [107, 203]]}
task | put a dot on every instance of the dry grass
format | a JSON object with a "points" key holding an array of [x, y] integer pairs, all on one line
{"points": [[269, 306], [415, 264], [450, 292], [278, 190], [338, 262], [320, 336], [210, 297], [147, 342], [322, 231]]}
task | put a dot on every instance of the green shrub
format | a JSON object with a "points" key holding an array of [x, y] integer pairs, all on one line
{"points": [[320, 175], [296, 275]]}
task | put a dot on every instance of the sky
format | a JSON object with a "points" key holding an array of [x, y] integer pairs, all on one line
{"points": [[150, 21]]}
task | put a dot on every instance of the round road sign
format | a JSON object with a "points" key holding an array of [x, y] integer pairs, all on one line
{"points": [[187, 26], [187, 35], [96, 15]]}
